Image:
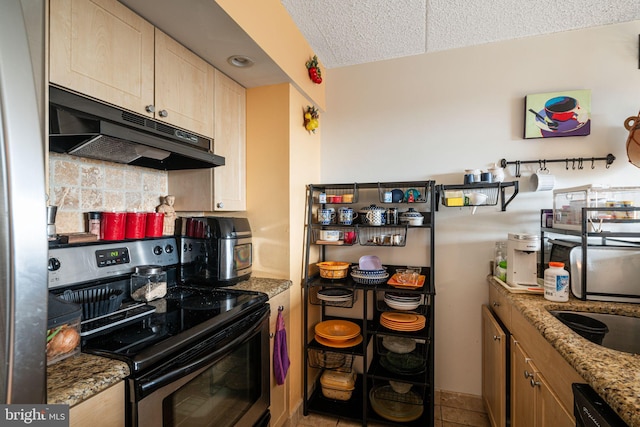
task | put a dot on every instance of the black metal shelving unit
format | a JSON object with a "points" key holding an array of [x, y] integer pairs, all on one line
{"points": [[369, 353], [495, 192], [589, 236]]}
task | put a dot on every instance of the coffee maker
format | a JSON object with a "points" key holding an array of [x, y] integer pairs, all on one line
{"points": [[522, 259]]}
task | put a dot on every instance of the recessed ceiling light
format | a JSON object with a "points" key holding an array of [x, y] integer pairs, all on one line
{"points": [[240, 61]]}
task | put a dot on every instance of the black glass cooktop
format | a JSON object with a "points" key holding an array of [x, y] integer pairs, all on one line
{"points": [[184, 316]]}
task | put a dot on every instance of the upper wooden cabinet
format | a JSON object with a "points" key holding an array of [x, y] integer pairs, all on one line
{"points": [[230, 180], [184, 85], [104, 50], [223, 188]]}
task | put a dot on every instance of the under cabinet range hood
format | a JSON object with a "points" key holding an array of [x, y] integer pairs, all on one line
{"points": [[85, 127]]}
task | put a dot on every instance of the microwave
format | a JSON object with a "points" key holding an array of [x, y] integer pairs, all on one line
{"points": [[216, 251]]}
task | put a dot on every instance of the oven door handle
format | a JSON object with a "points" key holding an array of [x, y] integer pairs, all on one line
{"points": [[178, 368]]}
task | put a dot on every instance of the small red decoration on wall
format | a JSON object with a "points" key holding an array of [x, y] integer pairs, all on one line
{"points": [[311, 117], [314, 70]]}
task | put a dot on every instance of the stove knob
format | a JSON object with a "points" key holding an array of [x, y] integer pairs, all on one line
{"points": [[54, 264], [168, 249], [157, 250]]}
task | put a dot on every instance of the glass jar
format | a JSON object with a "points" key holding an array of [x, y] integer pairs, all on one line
{"points": [[94, 223], [148, 282]]}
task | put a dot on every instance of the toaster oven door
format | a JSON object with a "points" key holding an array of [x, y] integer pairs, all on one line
{"points": [[235, 258]]}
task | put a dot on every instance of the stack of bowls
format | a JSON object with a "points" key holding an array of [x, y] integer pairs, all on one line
{"points": [[369, 277]]}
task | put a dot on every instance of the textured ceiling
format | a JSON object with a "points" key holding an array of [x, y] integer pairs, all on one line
{"points": [[349, 32]]}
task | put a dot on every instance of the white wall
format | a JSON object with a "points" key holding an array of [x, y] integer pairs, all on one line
{"points": [[434, 115]]}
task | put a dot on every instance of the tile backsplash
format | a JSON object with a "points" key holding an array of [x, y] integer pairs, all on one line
{"points": [[79, 185]]}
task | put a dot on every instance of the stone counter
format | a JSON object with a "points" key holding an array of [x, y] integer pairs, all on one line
{"points": [[614, 375], [271, 287], [78, 378]]}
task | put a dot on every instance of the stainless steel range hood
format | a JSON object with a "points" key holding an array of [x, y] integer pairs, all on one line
{"points": [[84, 127]]}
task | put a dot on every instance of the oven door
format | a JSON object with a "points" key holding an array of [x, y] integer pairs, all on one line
{"points": [[222, 381]]}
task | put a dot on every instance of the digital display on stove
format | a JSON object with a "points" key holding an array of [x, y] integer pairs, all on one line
{"points": [[108, 257]]}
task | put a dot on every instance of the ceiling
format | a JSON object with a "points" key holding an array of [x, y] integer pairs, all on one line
{"points": [[350, 32]]}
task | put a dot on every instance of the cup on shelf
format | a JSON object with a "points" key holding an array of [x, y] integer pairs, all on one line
{"points": [[349, 237], [326, 216]]}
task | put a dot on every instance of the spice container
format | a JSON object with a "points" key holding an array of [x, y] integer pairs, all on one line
{"points": [[148, 282], [94, 223]]}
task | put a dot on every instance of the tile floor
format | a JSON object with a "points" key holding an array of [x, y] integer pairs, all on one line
{"points": [[451, 410]]}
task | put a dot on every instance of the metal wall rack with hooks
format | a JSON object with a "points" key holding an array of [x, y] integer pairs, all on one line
{"points": [[573, 163]]}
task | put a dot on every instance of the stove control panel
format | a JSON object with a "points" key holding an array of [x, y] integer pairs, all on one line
{"points": [[79, 264]]}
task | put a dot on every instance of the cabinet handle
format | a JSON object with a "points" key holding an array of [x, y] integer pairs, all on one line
{"points": [[150, 108], [220, 205], [528, 374], [534, 383], [497, 338], [163, 113], [496, 304]]}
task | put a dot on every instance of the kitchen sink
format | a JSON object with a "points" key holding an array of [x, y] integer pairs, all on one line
{"points": [[613, 331]]}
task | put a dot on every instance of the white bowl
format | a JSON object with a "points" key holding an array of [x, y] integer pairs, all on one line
{"points": [[400, 387], [398, 345]]}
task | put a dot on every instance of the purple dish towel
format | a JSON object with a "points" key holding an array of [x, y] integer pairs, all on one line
{"points": [[281, 360]]}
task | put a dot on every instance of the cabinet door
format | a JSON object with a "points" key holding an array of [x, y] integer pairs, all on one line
{"points": [[183, 87], [279, 393], [494, 369], [523, 404], [105, 409], [102, 49], [550, 412], [230, 142]]}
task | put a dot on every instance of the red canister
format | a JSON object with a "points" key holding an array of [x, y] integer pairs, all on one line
{"points": [[155, 222], [135, 225], [112, 225]]}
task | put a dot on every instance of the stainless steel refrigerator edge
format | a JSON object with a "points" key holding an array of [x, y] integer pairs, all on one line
{"points": [[23, 241]]}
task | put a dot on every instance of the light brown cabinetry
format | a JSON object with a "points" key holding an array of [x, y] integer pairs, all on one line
{"points": [[184, 85], [105, 409], [223, 188], [539, 379], [533, 402], [279, 393], [102, 49], [494, 369]]}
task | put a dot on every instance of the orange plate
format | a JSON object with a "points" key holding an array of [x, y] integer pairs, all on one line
{"points": [[339, 344], [401, 317], [394, 282], [337, 330], [403, 327]]}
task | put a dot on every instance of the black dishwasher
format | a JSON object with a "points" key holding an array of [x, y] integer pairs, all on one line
{"points": [[591, 411]]}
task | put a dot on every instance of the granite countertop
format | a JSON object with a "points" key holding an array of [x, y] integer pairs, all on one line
{"points": [[614, 375], [79, 377], [271, 287]]}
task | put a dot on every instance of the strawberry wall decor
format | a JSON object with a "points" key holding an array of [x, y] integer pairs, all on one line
{"points": [[314, 70], [311, 116]]}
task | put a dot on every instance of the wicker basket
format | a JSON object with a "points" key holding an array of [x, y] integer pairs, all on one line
{"points": [[333, 269]]}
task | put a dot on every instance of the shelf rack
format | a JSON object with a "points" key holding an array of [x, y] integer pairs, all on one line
{"points": [[605, 238], [495, 191], [369, 353]]}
